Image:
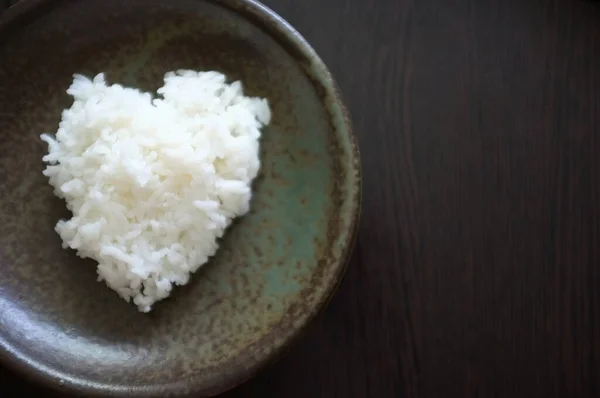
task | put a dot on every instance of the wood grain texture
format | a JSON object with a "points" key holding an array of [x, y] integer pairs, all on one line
{"points": [[477, 268]]}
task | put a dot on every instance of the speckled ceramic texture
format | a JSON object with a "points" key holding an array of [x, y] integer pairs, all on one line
{"points": [[277, 266]]}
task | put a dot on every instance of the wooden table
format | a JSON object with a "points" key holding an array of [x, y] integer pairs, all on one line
{"points": [[477, 268]]}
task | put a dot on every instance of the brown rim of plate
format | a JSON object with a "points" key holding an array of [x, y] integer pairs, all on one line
{"points": [[246, 368]]}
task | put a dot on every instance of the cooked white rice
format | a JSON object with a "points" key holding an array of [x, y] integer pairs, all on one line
{"points": [[154, 182]]}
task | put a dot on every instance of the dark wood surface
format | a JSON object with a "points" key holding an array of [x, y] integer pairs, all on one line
{"points": [[477, 268]]}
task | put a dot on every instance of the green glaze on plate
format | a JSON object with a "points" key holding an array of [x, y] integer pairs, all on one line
{"points": [[277, 267]]}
